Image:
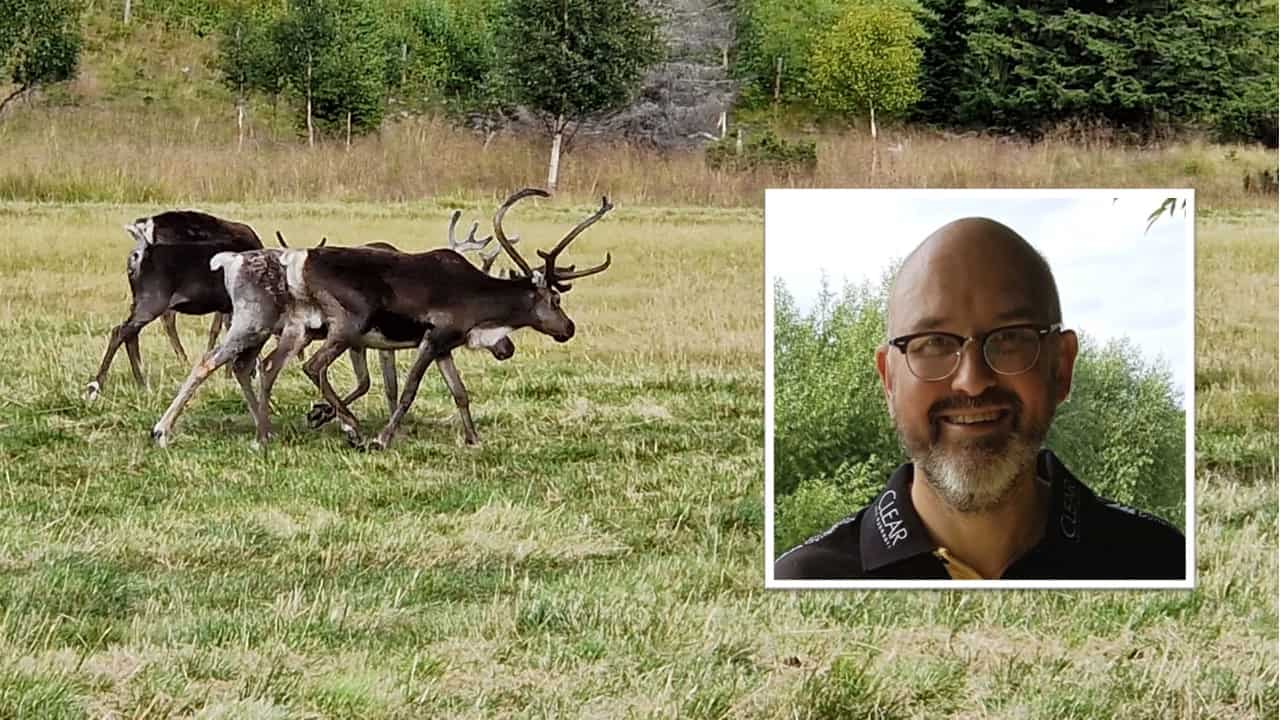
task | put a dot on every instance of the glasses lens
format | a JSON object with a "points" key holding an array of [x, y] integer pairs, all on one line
{"points": [[933, 356], [1013, 350]]}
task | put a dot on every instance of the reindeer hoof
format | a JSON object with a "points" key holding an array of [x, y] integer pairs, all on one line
{"points": [[160, 437], [374, 445], [320, 414], [353, 437], [91, 391]]}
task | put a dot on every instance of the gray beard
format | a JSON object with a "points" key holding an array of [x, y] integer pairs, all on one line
{"points": [[975, 478]]}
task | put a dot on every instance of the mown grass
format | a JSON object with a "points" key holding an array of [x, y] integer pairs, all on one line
{"points": [[599, 555]]}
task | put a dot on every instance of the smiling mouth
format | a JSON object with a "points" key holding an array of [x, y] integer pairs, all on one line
{"points": [[975, 418]]}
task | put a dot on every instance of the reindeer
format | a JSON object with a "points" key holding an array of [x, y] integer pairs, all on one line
{"points": [[374, 298], [322, 412], [374, 301], [168, 273]]}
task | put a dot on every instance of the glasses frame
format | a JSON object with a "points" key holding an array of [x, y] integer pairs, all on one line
{"points": [[1041, 329]]}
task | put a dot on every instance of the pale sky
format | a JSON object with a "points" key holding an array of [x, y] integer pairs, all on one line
{"points": [[1114, 278]]}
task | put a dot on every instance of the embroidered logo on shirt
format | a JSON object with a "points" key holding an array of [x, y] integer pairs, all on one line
{"points": [[889, 520], [1069, 521]]}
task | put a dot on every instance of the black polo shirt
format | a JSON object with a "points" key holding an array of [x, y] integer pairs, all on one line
{"points": [[1086, 538]]}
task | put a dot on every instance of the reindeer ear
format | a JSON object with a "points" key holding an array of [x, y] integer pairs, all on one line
{"points": [[539, 280]]}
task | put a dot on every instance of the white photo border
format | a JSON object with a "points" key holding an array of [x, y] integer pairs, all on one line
{"points": [[1186, 195]]}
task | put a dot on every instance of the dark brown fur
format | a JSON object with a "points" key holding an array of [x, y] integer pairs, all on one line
{"points": [[365, 293], [171, 275]]}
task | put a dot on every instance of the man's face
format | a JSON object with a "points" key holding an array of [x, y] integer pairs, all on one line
{"points": [[975, 432]]}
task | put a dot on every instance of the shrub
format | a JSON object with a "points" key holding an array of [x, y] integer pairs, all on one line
{"points": [[1252, 117], [822, 501], [828, 406], [765, 150], [1122, 429]]}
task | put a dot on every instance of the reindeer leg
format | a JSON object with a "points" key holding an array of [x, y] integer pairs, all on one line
{"points": [[135, 359], [317, 368], [459, 392], [411, 382], [321, 412], [292, 338], [113, 344], [231, 348], [219, 320], [145, 309], [389, 382], [171, 329], [243, 367]]}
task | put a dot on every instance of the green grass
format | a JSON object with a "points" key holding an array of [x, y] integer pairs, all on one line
{"points": [[599, 555]]}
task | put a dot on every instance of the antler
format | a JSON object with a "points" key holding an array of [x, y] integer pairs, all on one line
{"points": [[507, 244], [283, 244], [470, 244], [490, 256], [558, 275]]}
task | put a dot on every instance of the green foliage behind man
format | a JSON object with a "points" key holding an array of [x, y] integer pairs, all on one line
{"points": [[1122, 430]]}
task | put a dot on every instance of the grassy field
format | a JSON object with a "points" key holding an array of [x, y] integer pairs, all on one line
{"points": [[89, 154], [599, 555]]}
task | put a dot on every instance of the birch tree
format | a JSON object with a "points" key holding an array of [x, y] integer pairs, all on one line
{"points": [[569, 60]]}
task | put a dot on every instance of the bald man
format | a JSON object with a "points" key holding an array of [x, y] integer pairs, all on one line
{"points": [[977, 364]]}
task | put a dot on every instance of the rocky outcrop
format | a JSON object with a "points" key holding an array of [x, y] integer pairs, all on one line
{"points": [[681, 98]]}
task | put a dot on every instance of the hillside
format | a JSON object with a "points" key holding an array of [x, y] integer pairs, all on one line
{"points": [[153, 65]]}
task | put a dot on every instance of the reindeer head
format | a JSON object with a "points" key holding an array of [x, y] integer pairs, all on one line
{"points": [[550, 280]]}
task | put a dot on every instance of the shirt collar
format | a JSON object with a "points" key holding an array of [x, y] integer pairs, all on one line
{"points": [[1068, 496], [892, 530]]}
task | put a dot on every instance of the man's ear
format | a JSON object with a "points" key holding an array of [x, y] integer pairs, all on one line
{"points": [[1068, 347], [882, 369]]}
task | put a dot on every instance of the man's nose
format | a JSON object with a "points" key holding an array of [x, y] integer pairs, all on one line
{"points": [[974, 376]]}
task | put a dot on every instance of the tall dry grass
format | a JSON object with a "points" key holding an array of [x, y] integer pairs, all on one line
{"points": [[87, 154]]}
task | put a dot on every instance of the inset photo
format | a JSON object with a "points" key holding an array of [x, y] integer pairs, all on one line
{"points": [[979, 388]]}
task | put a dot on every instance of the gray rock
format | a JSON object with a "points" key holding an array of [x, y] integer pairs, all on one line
{"points": [[681, 98]]}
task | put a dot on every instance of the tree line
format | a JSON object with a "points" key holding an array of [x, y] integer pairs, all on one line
{"points": [[1019, 66], [1141, 65], [337, 63]]}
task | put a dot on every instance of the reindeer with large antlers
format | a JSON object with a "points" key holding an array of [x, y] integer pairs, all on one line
{"points": [[439, 300], [373, 298], [323, 412]]}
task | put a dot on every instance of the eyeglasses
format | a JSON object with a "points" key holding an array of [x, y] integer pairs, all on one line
{"points": [[1008, 350]]}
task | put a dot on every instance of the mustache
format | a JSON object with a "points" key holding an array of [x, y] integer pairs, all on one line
{"points": [[993, 396]]}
